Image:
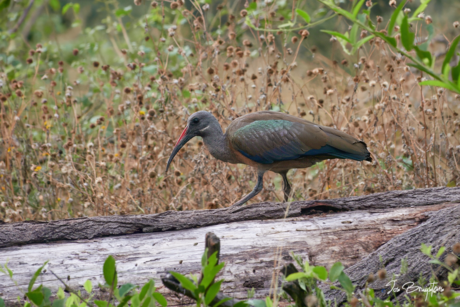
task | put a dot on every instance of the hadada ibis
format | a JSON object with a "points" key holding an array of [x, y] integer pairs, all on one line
{"points": [[271, 141]]}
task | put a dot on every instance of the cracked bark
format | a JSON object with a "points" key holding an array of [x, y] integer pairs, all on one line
{"points": [[256, 241]]}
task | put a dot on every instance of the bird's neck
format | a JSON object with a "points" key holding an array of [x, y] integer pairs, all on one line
{"points": [[217, 144]]}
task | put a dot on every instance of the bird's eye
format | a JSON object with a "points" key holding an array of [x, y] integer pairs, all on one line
{"points": [[195, 120]]}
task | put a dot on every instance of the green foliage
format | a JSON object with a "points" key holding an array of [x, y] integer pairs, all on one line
{"points": [[424, 61], [206, 290]]}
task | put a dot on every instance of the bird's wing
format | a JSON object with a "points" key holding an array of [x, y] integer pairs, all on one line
{"points": [[271, 140], [268, 141]]}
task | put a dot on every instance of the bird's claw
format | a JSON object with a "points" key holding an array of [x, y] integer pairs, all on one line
{"points": [[236, 207]]}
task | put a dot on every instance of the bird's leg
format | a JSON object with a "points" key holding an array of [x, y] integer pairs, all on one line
{"points": [[286, 186], [259, 186]]}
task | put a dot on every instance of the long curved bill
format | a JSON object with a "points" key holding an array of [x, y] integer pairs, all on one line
{"points": [[183, 139]]}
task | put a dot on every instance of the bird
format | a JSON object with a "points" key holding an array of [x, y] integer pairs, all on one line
{"points": [[270, 141]]}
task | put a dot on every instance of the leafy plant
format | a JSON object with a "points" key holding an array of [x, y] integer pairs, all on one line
{"points": [[424, 59]]}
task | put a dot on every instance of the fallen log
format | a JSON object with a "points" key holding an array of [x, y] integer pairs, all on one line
{"points": [[95, 227], [256, 240]]}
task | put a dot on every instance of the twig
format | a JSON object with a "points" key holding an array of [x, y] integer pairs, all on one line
{"points": [[170, 282], [23, 17], [70, 289]]}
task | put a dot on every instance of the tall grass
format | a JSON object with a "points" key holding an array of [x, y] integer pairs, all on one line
{"points": [[87, 123]]}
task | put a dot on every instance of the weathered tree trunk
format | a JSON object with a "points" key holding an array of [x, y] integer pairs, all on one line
{"points": [[256, 241]]}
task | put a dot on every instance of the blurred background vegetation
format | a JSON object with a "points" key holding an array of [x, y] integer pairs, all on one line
{"points": [[95, 93]]}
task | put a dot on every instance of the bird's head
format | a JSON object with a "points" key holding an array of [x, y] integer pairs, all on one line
{"points": [[197, 125]]}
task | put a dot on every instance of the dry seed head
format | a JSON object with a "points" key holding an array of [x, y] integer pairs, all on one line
{"points": [[304, 33], [312, 301], [392, 3], [382, 274], [243, 13], [456, 24], [428, 20], [354, 301], [451, 259], [456, 248]]}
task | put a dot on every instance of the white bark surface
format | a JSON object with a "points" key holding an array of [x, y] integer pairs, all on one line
{"points": [[252, 250]]}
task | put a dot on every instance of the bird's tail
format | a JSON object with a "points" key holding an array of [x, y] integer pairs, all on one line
{"points": [[345, 146]]}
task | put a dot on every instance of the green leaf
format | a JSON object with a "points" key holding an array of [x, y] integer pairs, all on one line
{"points": [[66, 7], [295, 276], [387, 39], [60, 293], [59, 302], [241, 304], [303, 14], [452, 184], [135, 302], [451, 276], [160, 299], [146, 302], [337, 34], [35, 297], [407, 37], [257, 303], [124, 289], [438, 84], [88, 286], [2, 302], [340, 11], [357, 8], [110, 272], [354, 33], [212, 292], [185, 93], [421, 8], [55, 5], [101, 303], [252, 6], [125, 301], [121, 13], [145, 289], [440, 251], [425, 56], [10, 273], [76, 8], [426, 250], [320, 272], [184, 281], [362, 42], [345, 281], [450, 53], [436, 261], [34, 278], [223, 301], [335, 271], [394, 17], [455, 73], [268, 302], [4, 4], [425, 70]]}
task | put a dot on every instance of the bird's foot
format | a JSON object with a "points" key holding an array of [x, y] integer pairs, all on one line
{"points": [[238, 206]]}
